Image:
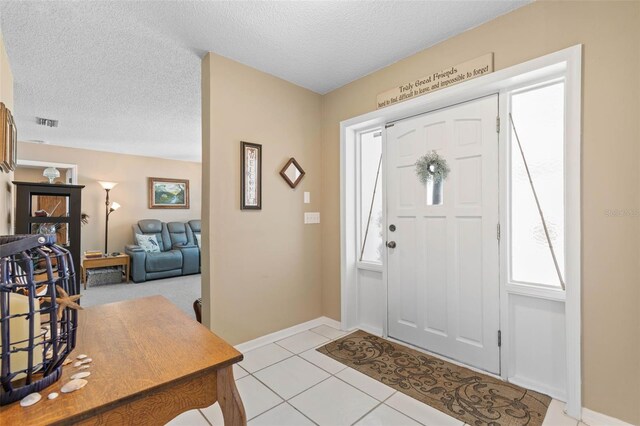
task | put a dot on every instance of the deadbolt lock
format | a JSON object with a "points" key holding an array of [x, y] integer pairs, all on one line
{"points": [[392, 228]]}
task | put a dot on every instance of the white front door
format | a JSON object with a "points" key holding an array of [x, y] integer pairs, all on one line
{"points": [[443, 283]]}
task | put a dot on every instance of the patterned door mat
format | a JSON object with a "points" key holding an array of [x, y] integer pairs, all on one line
{"points": [[469, 396]]}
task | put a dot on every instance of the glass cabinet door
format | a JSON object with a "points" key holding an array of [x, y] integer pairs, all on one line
{"points": [[55, 207]]}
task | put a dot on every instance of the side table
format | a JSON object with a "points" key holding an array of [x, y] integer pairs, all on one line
{"points": [[104, 262]]}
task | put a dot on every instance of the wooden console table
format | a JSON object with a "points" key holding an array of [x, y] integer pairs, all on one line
{"points": [[151, 362], [104, 262]]}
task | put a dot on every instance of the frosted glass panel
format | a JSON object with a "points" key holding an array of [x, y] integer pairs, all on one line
{"points": [[371, 241], [435, 192], [538, 115]]}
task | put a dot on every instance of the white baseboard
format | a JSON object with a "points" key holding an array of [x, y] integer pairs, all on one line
{"points": [[287, 332], [331, 322], [593, 418]]}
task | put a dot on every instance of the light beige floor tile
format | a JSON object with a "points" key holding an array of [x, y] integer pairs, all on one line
{"points": [[264, 356], [384, 415], [291, 376], [213, 413], [321, 360], [256, 397], [366, 384], [333, 402], [420, 411], [302, 341], [282, 415], [238, 372], [328, 332], [189, 418], [556, 416]]}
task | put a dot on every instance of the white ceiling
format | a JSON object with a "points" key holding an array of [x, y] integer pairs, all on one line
{"points": [[125, 76]]}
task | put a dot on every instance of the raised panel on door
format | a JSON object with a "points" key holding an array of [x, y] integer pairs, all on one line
{"points": [[405, 259], [469, 299], [435, 261], [442, 276], [469, 182]]}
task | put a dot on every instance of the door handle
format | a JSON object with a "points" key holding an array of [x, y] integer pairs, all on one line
{"points": [[391, 244]]}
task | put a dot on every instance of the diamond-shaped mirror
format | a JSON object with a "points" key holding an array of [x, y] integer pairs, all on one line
{"points": [[292, 173]]}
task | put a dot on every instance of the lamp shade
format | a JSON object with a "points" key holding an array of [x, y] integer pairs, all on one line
{"points": [[107, 185], [115, 206], [51, 173]]}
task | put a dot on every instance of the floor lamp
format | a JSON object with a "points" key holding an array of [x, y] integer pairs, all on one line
{"points": [[109, 208]]}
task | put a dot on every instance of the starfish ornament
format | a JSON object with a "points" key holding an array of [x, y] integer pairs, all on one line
{"points": [[64, 301]]}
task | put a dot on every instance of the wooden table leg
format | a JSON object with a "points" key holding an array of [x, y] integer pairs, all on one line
{"points": [[229, 399], [83, 272]]}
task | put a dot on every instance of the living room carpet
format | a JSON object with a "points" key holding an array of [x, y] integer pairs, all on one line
{"points": [[182, 291], [469, 396]]}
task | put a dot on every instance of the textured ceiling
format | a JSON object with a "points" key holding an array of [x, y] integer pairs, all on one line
{"points": [[125, 76]]}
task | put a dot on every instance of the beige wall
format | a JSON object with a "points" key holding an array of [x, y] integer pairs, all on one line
{"points": [[6, 96], [131, 172], [34, 174], [610, 33], [264, 269]]}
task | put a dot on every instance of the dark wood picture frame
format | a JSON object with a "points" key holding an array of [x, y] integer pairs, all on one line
{"points": [[8, 140], [13, 146], [283, 173], [4, 140], [250, 176], [153, 181]]}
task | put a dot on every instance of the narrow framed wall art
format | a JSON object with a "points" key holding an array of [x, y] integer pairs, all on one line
{"points": [[250, 176]]}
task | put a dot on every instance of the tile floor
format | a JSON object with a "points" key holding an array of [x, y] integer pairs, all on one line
{"points": [[289, 383]]}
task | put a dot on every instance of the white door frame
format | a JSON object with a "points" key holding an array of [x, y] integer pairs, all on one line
{"points": [[568, 63]]}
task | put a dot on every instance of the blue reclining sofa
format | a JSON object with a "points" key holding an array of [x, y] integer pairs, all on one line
{"points": [[163, 250]]}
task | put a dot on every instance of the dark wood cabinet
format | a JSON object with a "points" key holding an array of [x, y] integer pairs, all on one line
{"points": [[51, 209]]}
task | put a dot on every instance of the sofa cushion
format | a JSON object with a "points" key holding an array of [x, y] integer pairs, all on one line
{"points": [[178, 233], [163, 261], [154, 227], [197, 235], [195, 225], [150, 226], [149, 243]]}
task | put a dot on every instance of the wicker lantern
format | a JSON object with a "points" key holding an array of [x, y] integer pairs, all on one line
{"points": [[36, 336]]}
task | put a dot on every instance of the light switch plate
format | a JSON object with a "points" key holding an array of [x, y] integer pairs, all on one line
{"points": [[312, 217], [307, 197]]}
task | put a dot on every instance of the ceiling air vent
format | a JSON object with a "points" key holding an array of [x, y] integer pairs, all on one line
{"points": [[47, 122]]}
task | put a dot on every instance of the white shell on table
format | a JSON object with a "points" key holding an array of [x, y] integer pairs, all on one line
{"points": [[67, 361], [30, 399], [53, 395], [86, 361], [77, 363], [81, 356], [84, 367], [80, 375], [73, 385]]}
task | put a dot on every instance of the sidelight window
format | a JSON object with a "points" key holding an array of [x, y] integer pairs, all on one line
{"points": [[536, 193], [369, 155]]}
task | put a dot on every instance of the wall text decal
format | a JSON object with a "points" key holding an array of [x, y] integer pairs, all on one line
{"points": [[438, 80]]}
